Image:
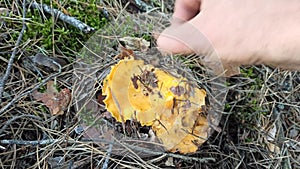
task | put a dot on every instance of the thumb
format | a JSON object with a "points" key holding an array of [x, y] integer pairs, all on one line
{"points": [[184, 38], [187, 38]]}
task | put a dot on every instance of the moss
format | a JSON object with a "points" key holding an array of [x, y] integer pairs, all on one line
{"points": [[47, 33], [246, 99]]}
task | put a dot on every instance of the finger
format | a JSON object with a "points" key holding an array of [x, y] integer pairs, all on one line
{"points": [[186, 9], [185, 38]]}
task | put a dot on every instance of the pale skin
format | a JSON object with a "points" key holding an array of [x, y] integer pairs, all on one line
{"points": [[247, 32]]}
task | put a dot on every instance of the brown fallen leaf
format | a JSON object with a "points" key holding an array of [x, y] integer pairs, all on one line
{"points": [[41, 60], [56, 101], [125, 53], [134, 43]]}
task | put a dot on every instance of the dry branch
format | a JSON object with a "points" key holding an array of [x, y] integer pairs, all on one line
{"points": [[65, 18], [15, 118], [142, 5], [52, 141], [13, 55], [35, 142], [105, 165]]}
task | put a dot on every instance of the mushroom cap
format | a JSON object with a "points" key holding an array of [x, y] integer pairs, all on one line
{"points": [[153, 97], [115, 87]]}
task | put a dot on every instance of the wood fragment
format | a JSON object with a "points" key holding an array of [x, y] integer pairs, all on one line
{"points": [[8, 122], [116, 142], [13, 55], [65, 18]]}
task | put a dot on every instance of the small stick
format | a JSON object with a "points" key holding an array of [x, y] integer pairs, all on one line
{"points": [[15, 118], [35, 142], [13, 55], [51, 141], [105, 165], [68, 19], [183, 157]]}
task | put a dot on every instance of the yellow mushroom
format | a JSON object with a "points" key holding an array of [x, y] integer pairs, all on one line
{"points": [[172, 106], [115, 87]]}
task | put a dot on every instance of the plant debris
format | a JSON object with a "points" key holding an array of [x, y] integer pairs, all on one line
{"points": [[134, 43], [56, 101], [68, 19], [46, 61]]}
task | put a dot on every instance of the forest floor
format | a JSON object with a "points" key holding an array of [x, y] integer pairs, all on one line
{"points": [[259, 127]]}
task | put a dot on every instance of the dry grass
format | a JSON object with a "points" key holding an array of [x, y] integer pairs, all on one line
{"points": [[259, 126]]}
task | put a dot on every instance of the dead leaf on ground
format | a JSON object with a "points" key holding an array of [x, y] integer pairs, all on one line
{"points": [[134, 43], [125, 53], [56, 101], [49, 62]]}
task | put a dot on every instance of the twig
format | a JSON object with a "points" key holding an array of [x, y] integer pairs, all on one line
{"points": [[186, 158], [13, 55], [15, 118], [65, 18], [142, 5], [51, 141], [120, 110], [3, 148], [32, 90], [105, 165], [33, 143]]}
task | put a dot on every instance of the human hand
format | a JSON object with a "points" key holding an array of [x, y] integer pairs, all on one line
{"points": [[237, 32]]}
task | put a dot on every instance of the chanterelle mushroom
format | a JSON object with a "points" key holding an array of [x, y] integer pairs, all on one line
{"points": [[172, 106]]}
